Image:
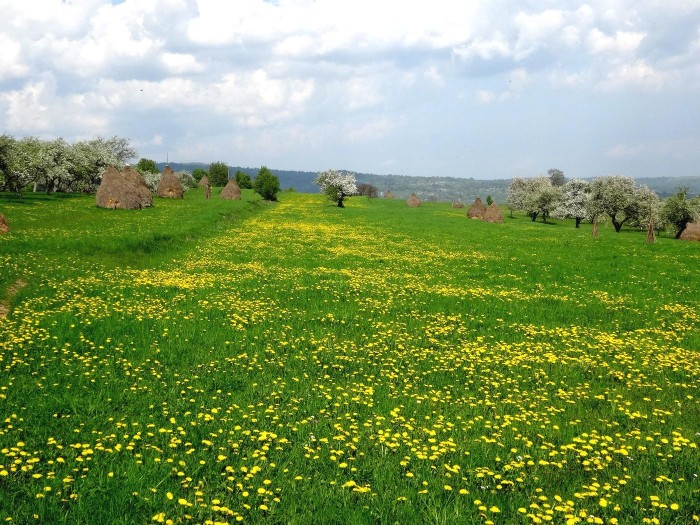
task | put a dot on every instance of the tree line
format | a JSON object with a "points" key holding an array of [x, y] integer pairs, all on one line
{"points": [[57, 165], [614, 197]]}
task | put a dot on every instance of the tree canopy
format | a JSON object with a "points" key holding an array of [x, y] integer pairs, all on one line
{"points": [[266, 184], [218, 174], [336, 185]]}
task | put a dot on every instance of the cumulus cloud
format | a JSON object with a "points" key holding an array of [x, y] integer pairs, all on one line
{"points": [[299, 71]]}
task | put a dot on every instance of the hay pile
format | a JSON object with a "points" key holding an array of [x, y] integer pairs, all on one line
{"points": [[123, 191], [388, 195], [457, 204], [691, 232], [413, 201], [4, 227], [231, 191], [169, 186], [493, 214], [204, 182], [476, 210]]}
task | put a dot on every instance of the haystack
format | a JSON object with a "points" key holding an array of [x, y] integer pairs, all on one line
{"points": [[691, 232], [204, 182], [117, 191], [457, 204], [388, 195], [493, 214], [413, 201], [4, 227], [231, 191], [476, 210], [169, 186], [135, 178]]}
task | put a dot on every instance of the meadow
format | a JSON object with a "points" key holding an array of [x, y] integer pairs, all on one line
{"points": [[222, 362]]}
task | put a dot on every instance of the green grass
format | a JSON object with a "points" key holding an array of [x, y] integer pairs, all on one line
{"points": [[214, 361]]}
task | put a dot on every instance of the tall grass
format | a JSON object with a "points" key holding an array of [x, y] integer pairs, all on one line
{"points": [[209, 361]]}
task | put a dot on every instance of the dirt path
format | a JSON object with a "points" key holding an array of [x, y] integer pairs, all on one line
{"points": [[11, 292]]}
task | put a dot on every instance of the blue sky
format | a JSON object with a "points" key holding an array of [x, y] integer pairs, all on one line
{"points": [[477, 89]]}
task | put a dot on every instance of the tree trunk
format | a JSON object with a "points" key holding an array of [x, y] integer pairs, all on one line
{"points": [[594, 232], [617, 225], [341, 196], [578, 221], [681, 229], [533, 215]]}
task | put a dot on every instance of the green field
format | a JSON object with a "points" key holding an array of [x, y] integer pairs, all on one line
{"points": [[293, 362]]}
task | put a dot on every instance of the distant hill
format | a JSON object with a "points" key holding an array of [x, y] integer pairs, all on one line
{"points": [[432, 188]]}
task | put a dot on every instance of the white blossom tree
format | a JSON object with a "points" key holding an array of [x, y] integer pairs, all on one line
{"points": [[615, 196], [540, 198], [516, 194], [574, 201], [337, 185]]}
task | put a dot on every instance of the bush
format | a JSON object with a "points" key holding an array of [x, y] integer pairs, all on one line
{"points": [[266, 184], [243, 180]]}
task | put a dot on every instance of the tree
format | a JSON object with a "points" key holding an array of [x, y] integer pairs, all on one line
{"points": [[336, 185], [615, 196], [198, 173], [147, 166], [679, 211], [367, 190], [266, 184], [243, 180], [218, 174], [516, 195], [574, 201], [540, 197], [489, 200], [556, 177]]}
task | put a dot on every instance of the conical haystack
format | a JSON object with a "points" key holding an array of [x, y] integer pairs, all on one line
{"points": [[691, 232], [413, 201], [457, 204], [117, 191], [388, 195], [169, 187], [204, 182], [4, 227], [135, 178], [493, 214], [231, 191], [476, 210]]}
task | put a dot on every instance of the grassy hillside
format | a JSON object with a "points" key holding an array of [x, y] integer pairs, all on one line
{"points": [[216, 361]]}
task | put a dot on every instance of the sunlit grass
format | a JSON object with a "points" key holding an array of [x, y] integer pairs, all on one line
{"points": [[216, 362]]}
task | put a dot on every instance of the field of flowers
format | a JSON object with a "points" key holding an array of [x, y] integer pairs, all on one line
{"points": [[223, 362]]}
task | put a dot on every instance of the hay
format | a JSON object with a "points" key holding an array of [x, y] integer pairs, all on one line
{"points": [[135, 178], [169, 186], [4, 227], [413, 201], [691, 232], [231, 191], [493, 214], [118, 191], [204, 182], [476, 210], [388, 195], [457, 204]]}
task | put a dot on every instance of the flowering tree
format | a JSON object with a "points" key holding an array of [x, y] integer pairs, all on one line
{"points": [[337, 185], [574, 200], [540, 197], [615, 196]]}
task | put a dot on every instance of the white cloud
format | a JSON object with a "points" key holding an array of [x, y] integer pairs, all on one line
{"points": [[11, 63], [622, 42]]}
